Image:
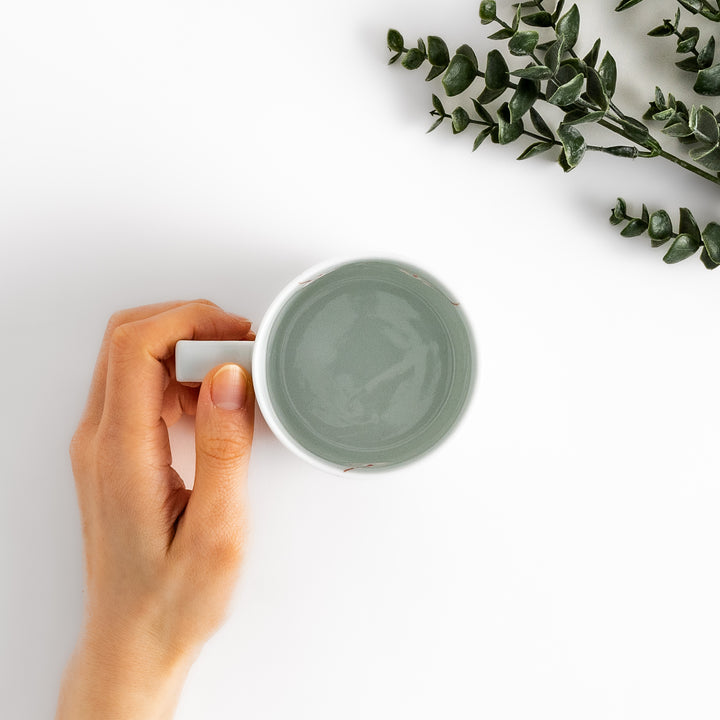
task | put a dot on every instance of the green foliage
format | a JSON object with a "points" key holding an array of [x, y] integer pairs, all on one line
{"points": [[568, 27], [683, 244], [700, 56], [706, 8], [696, 126], [438, 53], [539, 67], [459, 75], [574, 146], [488, 11]]}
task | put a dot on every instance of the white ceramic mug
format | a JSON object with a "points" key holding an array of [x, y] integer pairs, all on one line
{"points": [[358, 365]]}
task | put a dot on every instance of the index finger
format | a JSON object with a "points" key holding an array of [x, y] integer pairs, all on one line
{"points": [[137, 375], [96, 396]]}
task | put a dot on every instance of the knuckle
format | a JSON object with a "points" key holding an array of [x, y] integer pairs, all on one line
{"points": [[226, 549], [116, 319], [78, 445], [225, 450], [122, 338]]}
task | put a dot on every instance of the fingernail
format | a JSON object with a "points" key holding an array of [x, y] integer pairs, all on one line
{"points": [[229, 388]]}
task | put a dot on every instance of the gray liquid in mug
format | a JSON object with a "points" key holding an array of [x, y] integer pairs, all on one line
{"points": [[369, 364]]}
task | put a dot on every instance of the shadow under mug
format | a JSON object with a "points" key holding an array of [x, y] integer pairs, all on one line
{"points": [[359, 365]]}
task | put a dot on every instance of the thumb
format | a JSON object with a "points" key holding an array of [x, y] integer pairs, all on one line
{"points": [[223, 438]]}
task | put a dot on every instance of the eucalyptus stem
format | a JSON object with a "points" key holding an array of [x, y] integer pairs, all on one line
{"points": [[527, 133], [690, 167]]}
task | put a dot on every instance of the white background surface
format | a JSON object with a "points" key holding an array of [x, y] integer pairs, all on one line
{"points": [[558, 557]]}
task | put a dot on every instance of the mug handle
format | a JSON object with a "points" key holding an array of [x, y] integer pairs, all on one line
{"points": [[195, 358]]}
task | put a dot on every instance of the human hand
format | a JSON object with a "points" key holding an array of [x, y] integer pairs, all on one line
{"points": [[161, 560]]}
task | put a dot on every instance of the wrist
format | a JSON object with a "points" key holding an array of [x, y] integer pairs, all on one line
{"points": [[126, 676]]}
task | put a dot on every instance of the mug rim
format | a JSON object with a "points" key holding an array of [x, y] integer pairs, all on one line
{"points": [[260, 355]]}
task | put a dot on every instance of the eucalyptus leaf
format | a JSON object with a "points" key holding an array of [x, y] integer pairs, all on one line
{"points": [[608, 74], [488, 11], [395, 41], [574, 66], [682, 248], [435, 71], [568, 26], [535, 149], [413, 59], [563, 162], [664, 30], [459, 75], [688, 39], [664, 115], [659, 97], [708, 81], [573, 143], [596, 89], [497, 75], [711, 241], [704, 125], [481, 138], [436, 124], [700, 152], [634, 228], [508, 130], [689, 64], [482, 112], [540, 125], [522, 100], [688, 225], [620, 209], [538, 19], [707, 54], [711, 160], [592, 57], [460, 120], [553, 55], [568, 93], [580, 117], [534, 72], [625, 4], [488, 95], [438, 53], [707, 261], [678, 129], [469, 53], [523, 42], [660, 226], [502, 34], [516, 19], [694, 6]]}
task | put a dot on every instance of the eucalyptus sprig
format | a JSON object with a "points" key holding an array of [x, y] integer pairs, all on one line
{"points": [[519, 102], [710, 10], [697, 126], [685, 242], [698, 61]]}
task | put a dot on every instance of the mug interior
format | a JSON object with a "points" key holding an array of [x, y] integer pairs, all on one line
{"points": [[368, 365]]}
